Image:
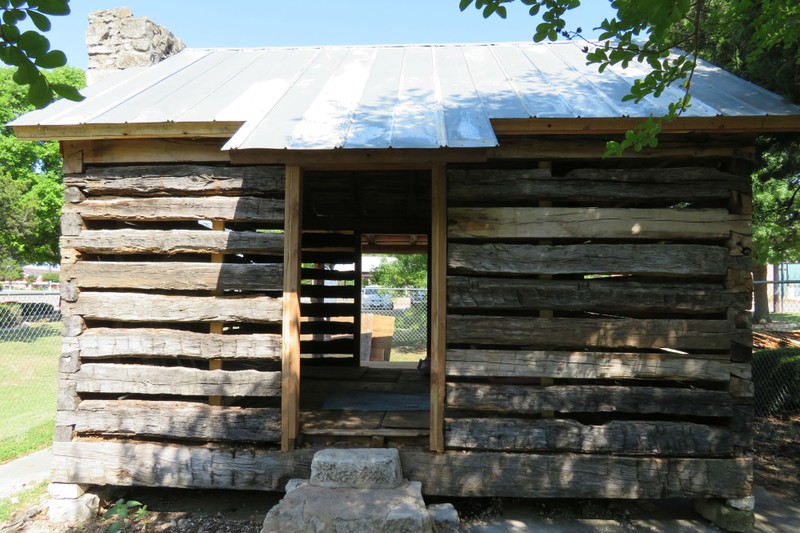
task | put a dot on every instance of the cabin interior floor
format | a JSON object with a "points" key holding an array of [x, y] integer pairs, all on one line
{"points": [[364, 406]]}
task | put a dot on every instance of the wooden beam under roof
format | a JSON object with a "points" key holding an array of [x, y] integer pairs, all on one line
{"points": [[618, 125], [144, 130]]}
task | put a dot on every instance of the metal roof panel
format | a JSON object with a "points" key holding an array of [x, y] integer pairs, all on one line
{"points": [[403, 96]]}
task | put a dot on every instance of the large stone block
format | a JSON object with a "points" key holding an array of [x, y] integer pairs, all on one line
{"points": [[73, 511], [725, 517], [357, 468], [316, 509]]}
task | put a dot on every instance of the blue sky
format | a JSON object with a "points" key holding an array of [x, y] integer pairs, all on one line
{"points": [[252, 23]]}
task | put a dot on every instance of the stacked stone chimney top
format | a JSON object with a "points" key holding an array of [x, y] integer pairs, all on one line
{"points": [[117, 40]]}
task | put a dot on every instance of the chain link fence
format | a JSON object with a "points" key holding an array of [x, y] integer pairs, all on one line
{"points": [[776, 370], [30, 343], [409, 307]]}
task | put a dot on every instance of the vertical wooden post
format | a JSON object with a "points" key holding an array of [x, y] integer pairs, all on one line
{"points": [[216, 327], [546, 313], [438, 301], [290, 352]]}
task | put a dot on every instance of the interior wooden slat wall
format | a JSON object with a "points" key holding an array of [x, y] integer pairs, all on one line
{"points": [[144, 278], [646, 351]]}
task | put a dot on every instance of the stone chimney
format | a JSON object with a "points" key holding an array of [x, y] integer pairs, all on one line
{"points": [[117, 40]]}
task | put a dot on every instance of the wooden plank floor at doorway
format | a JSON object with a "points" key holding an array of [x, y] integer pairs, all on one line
{"points": [[318, 384]]}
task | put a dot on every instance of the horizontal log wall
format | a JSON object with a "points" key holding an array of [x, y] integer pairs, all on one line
{"points": [[598, 312], [172, 282], [475, 474]]}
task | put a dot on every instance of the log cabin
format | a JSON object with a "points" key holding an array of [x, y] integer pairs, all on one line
{"points": [[589, 334]]}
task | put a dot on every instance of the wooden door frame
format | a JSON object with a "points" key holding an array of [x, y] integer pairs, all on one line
{"points": [[290, 353]]}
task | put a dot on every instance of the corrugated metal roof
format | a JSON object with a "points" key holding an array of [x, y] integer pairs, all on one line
{"points": [[413, 96]]}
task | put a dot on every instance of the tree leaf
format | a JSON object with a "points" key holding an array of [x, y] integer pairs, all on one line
{"points": [[67, 91], [33, 43], [10, 33], [39, 20], [464, 4], [40, 93], [54, 7], [26, 73], [52, 59]]}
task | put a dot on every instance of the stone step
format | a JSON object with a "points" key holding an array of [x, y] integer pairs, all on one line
{"points": [[376, 468], [310, 508]]}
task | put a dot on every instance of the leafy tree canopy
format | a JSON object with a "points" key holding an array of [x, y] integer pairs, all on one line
{"points": [[29, 50], [30, 179], [669, 36], [404, 271]]}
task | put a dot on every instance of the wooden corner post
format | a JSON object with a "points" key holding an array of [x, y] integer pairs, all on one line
{"points": [[290, 351], [438, 292]]}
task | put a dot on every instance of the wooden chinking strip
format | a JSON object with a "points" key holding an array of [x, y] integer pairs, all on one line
{"points": [[216, 328]]}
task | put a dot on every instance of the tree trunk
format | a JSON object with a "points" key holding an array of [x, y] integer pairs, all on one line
{"points": [[760, 294]]}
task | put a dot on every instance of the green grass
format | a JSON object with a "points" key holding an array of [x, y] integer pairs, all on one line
{"points": [[785, 317], [28, 380], [22, 501], [32, 440]]}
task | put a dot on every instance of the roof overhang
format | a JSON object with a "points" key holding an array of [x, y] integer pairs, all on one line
{"points": [[502, 127], [609, 126], [152, 130]]}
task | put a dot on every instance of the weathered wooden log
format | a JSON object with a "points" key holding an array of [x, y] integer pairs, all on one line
{"points": [[449, 474], [142, 307], [497, 258], [177, 420], [507, 186], [519, 399], [593, 223], [615, 437], [588, 365], [582, 333], [164, 180], [129, 241], [159, 465], [229, 209], [493, 474], [178, 381], [107, 342], [614, 295], [166, 275]]}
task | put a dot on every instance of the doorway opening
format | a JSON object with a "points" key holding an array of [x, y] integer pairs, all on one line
{"points": [[361, 340], [395, 319]]}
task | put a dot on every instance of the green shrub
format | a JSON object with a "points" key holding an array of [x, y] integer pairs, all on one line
{"points": [[776, 378], [10, 315]]}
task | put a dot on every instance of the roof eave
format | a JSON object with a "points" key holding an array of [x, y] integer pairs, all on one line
{"points": [[77, 132], [619, 125]]}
